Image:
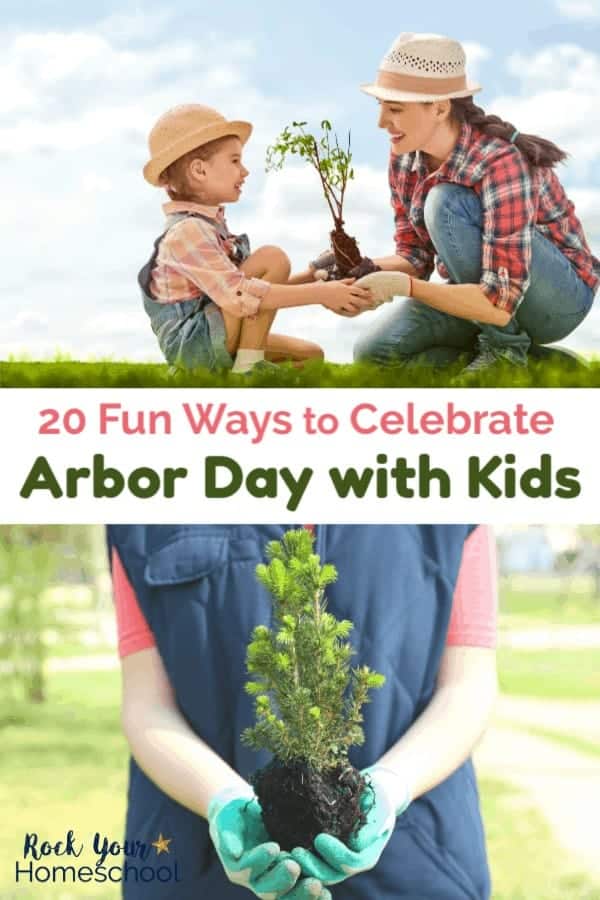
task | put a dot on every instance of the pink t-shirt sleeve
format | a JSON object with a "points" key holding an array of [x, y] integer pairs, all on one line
{"points": [[133, 632], [473, 621]]}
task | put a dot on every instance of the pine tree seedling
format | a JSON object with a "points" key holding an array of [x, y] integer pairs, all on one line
{"points": [[333, 165], [308, 701]]}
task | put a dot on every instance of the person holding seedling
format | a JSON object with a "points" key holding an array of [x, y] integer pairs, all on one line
{"points": [[481, 199], [210, 301], [248, 655]]}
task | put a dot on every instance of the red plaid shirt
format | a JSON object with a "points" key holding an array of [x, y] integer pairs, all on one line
{"points": [[515, 199]]}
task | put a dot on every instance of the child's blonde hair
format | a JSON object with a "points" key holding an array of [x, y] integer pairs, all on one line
{"points": [[175, 177]]}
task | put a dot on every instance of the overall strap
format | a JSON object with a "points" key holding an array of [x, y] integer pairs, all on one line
{"points": [[145, 274]]}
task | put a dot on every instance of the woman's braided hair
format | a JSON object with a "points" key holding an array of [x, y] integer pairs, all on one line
{"points": [[538, 151]]}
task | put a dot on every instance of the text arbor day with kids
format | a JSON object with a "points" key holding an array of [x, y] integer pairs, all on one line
{"points": [[296, 451]]}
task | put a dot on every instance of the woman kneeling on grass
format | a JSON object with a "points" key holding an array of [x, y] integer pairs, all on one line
{"points": [[210, 301], [471, 190]]}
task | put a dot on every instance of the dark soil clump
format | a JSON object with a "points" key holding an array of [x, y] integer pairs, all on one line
{"points": [[298, 802], [345, 249], [365, 267]]}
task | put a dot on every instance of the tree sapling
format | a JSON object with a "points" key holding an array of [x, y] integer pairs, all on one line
{"points": [[308, 702], [333, 165]]}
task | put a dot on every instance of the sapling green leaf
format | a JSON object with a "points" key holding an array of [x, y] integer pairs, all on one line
{"points": [[333, 165], [308, 699]]}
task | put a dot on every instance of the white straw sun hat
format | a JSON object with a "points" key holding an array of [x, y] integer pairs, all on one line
{"points": [[422, 67]]}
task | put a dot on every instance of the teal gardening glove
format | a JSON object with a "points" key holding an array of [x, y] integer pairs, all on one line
{"points": [[248, 855], [387, 798]]}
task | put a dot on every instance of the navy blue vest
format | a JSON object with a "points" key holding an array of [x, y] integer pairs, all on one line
{"points": [[196, 587]]}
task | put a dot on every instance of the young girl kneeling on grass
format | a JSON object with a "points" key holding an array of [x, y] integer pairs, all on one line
{"points": [[210, 301]]}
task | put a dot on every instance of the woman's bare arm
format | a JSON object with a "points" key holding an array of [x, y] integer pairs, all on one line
{"points": [[162, 743], [467, 301], [395, 263], [446, 732]]}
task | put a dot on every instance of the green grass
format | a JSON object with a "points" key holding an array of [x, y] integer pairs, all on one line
{"points": [[550, 674], [107, 373], [525, 861], [571, 741], [64, 767], [69, 649], [540, 600]]}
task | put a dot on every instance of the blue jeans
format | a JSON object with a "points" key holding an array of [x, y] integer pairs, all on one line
{"points": [[555, 302], [191, 333]]}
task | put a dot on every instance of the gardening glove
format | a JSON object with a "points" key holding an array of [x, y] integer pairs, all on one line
{"points": [[308, 889], [323, 266], [387, 797], [248, 855], [384, 286], [365, 267]]}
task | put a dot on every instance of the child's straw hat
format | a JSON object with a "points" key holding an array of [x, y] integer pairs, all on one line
{"points": [[422, 67], [185, 128]]}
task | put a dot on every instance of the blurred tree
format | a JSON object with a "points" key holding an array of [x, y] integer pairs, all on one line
{"points": [[589, 552], [34, 558]]}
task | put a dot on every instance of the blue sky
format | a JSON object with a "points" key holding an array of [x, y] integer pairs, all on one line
{"points": [[82, 85]]}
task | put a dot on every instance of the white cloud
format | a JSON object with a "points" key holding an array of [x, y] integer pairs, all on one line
{"points": [[78, 89], [124, 323], [476, 54], [558, 67], [587, 207], [579, 9], [73, 140], [28, 321], [93, 183], [73, 145], [123, 27], [558, 99]]}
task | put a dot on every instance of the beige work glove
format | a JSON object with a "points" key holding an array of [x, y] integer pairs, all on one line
{"points": [[384, 286]]}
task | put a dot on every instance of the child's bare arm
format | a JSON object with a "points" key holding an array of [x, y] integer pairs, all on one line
{"points": [[271, 264], [339, 296], [305, 277]]}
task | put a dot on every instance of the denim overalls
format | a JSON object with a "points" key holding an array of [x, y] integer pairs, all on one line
{"points": [[191, 333], [197, 589]]}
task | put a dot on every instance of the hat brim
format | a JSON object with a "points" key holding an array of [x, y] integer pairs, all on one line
{"points": [[391, 94], [156, 166]]}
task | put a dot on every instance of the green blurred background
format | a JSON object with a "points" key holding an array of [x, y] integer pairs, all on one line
{"points": [[64, 759]]}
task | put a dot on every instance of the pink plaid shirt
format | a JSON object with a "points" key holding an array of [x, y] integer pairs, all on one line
{"points": [[195, 257]]}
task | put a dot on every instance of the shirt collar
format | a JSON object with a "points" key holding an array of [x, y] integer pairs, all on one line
{"points": [[455, 162], [179, 206]]}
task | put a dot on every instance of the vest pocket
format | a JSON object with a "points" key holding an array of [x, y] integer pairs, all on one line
{"points": [[202, 588], [184, 555], [185, 559]]}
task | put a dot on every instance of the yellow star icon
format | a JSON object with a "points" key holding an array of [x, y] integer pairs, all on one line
{"points": [[162, 844]]}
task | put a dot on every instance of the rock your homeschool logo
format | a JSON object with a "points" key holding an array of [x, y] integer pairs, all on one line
{"points": [[56, 862]]}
